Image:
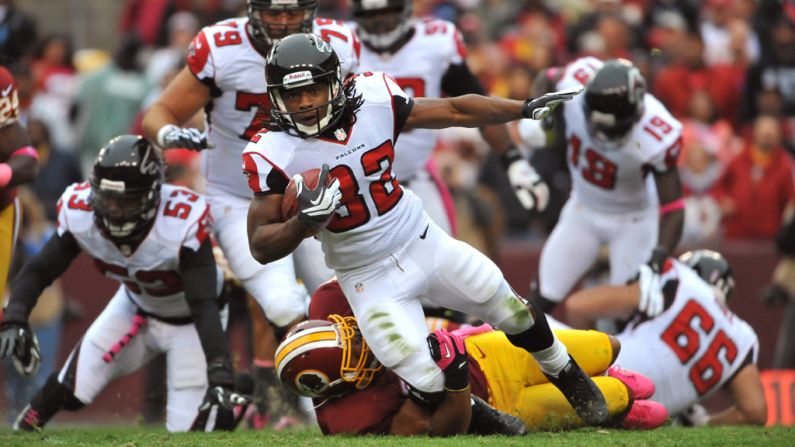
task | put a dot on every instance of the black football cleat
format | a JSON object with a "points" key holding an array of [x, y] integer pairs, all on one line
{"points": [[28, 420], [582, 393]]}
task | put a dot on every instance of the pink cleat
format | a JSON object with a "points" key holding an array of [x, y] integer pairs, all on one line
{"points": [[640, 386], [645, 415]]}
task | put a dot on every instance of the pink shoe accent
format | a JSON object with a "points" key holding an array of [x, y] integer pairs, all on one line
{"points": [[286, 422], [645, 415], [473, 330], [640, 386]]}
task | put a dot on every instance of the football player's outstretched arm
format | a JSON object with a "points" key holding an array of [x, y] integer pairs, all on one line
{"points": [[269, 237], [586, 306], [479, 111], [20, 165], [749, 400], [183, 98], [450, 418]]}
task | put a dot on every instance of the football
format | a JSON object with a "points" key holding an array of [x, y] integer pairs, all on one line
{"points": [[290, 199]]}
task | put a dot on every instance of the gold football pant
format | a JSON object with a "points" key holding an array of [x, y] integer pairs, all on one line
{"points": [[517, 385], [10, 218]]}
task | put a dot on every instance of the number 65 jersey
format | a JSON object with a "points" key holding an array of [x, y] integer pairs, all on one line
{"points": [[150, 272], [377, 215], [691, 349]]}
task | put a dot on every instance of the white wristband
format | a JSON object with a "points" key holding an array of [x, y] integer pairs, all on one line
{"points": [[161, 134]]}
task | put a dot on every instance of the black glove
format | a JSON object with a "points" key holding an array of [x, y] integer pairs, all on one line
{"points": [[230, 405], [449, 352], [539, 108], [18, 341], [315, 206], [171, 136]]}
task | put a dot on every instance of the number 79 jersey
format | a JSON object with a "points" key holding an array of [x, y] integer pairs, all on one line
{"points": [[151, 272], [223, 57], [377, 215], [613, 180], [691, 349]]}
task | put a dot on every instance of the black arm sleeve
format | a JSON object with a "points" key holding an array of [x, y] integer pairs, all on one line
{"points": [[38, 273], [402, 106], [458, 80], [199, 279]]}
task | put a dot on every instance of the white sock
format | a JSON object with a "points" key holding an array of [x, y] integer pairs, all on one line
{"points": [[553, 359]]}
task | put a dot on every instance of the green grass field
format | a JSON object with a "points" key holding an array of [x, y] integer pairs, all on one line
{"points": [[667, 436]]}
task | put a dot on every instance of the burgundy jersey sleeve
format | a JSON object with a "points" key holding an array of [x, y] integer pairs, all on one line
{"points": [[9, 101], [364, 412]]}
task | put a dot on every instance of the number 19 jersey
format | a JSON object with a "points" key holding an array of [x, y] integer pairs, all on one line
{"points": [[377, 215], [693, 348]]}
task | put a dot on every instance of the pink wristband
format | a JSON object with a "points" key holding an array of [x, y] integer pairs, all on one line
{"points": [[676, 205], [28, 151], [5, 174]]}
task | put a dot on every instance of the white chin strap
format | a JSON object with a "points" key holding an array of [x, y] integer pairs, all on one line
{"points": [[386, 40]]}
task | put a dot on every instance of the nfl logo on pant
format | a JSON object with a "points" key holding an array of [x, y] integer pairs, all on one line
{"points": [[359, 287]]}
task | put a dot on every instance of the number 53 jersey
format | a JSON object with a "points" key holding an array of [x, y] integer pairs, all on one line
{"points": [[149, 272], [377, 215], [691, 349]]}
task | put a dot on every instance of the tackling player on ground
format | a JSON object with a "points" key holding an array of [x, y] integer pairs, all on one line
{"points": [[386, 252], [154, 239]]}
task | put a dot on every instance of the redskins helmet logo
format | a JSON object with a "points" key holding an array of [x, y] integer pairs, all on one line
{"points": [[312, 382]]}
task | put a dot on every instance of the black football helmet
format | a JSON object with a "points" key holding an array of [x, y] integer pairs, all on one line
{"points": [[378, 32], [613, 102], [297, 61], [265, 34], [713, 268], [125, 188]]}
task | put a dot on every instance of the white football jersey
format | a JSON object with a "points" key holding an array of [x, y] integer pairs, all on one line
{"points": [[614, 180], [151, 272], [418, 67], [223, 57], [377, 215], [691, 349]]}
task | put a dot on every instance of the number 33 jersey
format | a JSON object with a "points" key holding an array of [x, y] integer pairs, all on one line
{"points": [[613, 180], [691, 349], [222, 57], [151, 272], [377, 215]]}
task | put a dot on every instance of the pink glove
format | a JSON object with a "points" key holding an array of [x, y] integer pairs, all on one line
{"points": [[449, 352]]}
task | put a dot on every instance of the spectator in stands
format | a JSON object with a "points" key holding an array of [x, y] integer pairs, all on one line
{"points": [[776, 72], [758, 184], [57, 168], [109, 100], [55, 84], [182, 27], [781, 292], [17, 33], [728, 39], [699, 170], [687, 74]]}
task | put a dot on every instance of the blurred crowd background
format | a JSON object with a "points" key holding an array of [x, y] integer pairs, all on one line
{"points": [[87, 69]]}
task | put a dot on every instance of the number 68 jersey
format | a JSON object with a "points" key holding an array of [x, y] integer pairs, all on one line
{"points": [[150, 272], [377, 215], [691, 349], [613, 180]]}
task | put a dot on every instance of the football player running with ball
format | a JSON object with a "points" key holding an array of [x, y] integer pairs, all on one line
{"points": [[617, 137], [154, 239], [386, 251]]}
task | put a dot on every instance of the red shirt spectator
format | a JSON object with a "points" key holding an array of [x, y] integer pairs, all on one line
{"points": [[758, 185], [676, 83]]}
